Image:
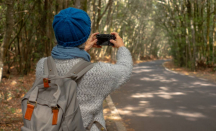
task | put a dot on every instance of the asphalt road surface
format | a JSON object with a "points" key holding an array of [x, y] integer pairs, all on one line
{"points": [[155, 99]]}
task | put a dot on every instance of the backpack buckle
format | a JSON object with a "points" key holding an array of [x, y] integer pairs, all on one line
{"points": [[46, 82], [35, 102], [55, 108]]}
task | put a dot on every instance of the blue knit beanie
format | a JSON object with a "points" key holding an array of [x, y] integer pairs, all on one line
{"points": [[72, 27]]}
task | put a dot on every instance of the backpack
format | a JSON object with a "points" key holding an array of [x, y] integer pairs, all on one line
{"points": [[51, 104]]}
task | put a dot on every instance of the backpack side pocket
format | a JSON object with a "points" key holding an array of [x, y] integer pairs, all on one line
{"points": [[73, 122]]}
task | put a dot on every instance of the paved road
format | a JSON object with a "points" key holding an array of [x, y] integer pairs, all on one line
{"points": [[155, 99]]}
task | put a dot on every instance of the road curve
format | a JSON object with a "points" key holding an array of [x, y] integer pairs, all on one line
{"points": [[155, 99]]}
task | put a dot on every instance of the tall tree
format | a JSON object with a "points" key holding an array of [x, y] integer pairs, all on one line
{"points": [[8, 33]]}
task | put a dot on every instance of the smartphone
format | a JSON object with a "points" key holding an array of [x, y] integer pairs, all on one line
{"points": [[104, 39]]}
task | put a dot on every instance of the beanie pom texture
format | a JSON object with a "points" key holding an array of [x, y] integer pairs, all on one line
{"points": [[72, 27]]}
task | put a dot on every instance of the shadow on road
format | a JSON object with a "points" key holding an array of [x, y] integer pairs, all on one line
{"points": [[155, 98]]}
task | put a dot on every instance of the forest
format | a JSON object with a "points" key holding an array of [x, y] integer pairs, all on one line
{"points": [[183, 29]]}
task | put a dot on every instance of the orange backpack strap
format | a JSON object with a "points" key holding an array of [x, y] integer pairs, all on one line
{"points": [[55, 115], [29, 110]]}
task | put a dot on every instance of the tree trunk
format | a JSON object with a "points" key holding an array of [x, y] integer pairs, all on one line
{"points": [[77, 4], [50, 32], [190, 25], [113, 57], [59, 6], [194, 43], [208, 30], [100, 15], [65, 4], [94, 15], [44, 26], [214, 33], [108, 17], [192, 20], [83, 5], [8, 33]]}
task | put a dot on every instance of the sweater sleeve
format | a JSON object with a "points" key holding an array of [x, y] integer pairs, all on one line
{"points": [[121, 71], [125, 65]]}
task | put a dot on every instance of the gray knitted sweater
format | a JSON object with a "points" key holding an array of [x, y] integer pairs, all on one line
{"points": [[96, 84]]}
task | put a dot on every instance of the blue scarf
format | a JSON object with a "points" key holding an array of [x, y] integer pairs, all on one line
{"points": [[61, 52]]}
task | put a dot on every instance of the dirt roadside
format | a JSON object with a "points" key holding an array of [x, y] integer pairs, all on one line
{"points": [[208, 73]]}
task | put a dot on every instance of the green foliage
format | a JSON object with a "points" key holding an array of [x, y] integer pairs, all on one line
{"points": [[13, 110], [189, 32], [148, 28], [214, 69], [2, 22]]}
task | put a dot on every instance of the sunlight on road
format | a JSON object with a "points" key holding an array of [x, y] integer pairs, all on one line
{"points": [[202, 84], [164, 88], [189, 114], [158, 78], [141, 69], [151, 112], [159, 93]]}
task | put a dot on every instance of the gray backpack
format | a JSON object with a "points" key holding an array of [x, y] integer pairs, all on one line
{"points": [[51, 104]]}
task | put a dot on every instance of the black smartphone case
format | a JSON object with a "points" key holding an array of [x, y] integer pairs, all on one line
{"points": [[104, 39]]}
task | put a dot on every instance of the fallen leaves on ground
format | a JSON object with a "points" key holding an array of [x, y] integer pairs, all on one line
{"points": [[11, 92], [204, 73]]}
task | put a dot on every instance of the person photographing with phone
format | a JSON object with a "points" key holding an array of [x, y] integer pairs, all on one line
{"points": [[72, 28], [105, 39]]}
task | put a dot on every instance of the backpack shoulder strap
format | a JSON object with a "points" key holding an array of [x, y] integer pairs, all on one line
{"points": [[99, 126], [51, 66], [46, 70], [80, 68]]}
